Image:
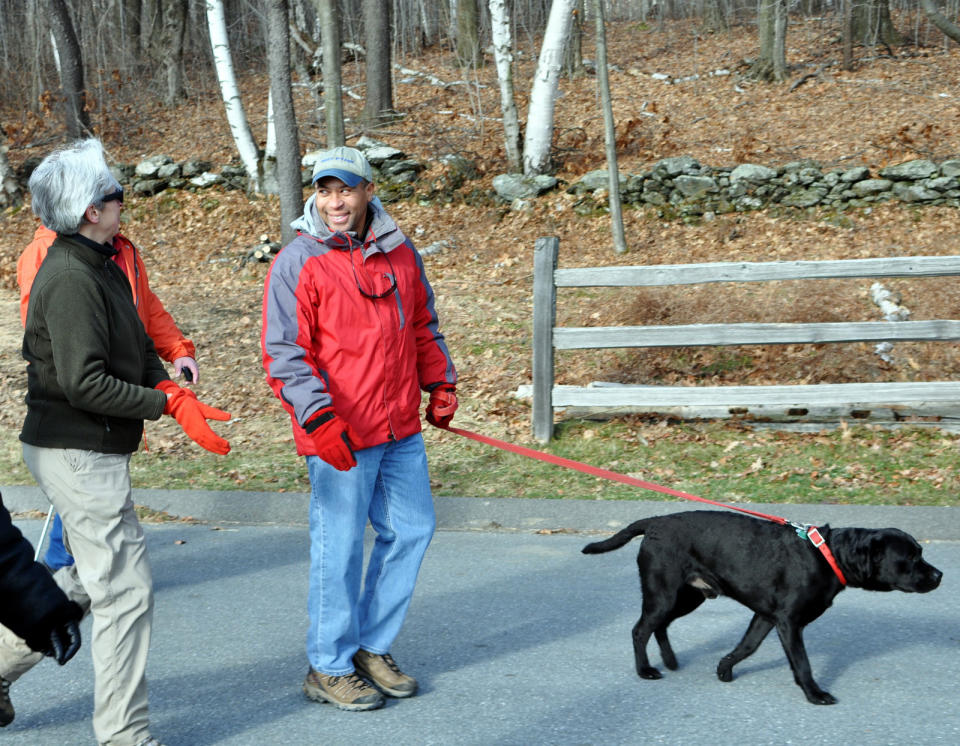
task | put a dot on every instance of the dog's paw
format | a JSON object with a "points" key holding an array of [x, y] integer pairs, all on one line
{"points": [[670, 661], [820, 697], [724, 671], [649, 672]]}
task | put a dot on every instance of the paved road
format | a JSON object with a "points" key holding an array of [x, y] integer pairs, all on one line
{"points": [[515, 636]]}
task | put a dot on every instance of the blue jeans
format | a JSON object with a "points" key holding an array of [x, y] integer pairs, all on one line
{"points": [[390, 486], [57, 555]]}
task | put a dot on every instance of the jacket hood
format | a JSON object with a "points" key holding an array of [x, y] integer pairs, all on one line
{"points": [[382, 226]]}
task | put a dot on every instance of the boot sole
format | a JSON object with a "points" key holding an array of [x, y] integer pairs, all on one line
{"points": [[395, 693], [318, 695]]}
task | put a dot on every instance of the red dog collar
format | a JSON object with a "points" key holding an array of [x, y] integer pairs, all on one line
{"points": [[820, 543]]}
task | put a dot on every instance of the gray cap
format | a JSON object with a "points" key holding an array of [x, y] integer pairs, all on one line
{"points": [[346, 164]]}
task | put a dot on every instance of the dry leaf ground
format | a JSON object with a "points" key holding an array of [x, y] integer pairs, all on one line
{"points": [[888, 110]]}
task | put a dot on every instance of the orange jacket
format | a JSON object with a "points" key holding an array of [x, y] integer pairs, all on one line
{"points": [[167, 338]]}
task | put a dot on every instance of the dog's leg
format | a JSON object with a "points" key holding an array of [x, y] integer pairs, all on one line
{"points": [[759, 628], [641, 635], [791, 636], [688, 599]]}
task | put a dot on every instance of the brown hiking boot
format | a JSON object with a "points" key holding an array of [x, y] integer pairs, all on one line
{"points": [[348, 692], [385, 674], [6, 706]]}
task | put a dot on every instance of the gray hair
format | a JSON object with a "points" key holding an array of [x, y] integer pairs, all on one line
{"points": [[67, 182]]}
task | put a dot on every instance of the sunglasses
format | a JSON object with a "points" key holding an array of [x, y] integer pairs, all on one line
{"points": [[116, 196]]}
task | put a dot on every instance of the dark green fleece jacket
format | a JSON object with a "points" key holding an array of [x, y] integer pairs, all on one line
{"points": [[91, 367]]}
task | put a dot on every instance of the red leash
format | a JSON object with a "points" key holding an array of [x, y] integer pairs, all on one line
{"points": [[805, 531]]}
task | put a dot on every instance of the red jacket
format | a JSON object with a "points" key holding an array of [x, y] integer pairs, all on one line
{"points": [[326, 343], [167, 338]]}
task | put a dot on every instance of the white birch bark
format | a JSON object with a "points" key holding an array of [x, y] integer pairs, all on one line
{"points": [[503, 55], [236, 116], [539, 134]]}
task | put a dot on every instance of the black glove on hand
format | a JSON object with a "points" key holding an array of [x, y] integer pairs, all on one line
{"points": [[60, 637], [64, 642]]}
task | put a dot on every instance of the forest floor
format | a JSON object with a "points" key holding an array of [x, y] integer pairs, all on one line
{"points": [[889, 109]]}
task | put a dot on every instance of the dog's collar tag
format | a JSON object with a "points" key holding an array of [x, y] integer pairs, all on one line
{"points": [[816, 538]]}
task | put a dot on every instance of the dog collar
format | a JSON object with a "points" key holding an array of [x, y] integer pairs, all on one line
{"points": [[816, 538]]}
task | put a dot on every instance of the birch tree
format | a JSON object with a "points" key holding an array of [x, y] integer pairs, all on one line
{"points": [[503, 56], [230, 93], [539, 133]]}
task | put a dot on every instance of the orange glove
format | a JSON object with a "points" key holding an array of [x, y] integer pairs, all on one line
{"points": [[332, 437], [443, 403], [192, 416]]}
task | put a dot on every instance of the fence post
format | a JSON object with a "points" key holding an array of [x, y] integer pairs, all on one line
{"points": [[544, 316]]}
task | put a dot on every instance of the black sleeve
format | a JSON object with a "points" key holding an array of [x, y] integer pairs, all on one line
{"points": [[31, 603]]}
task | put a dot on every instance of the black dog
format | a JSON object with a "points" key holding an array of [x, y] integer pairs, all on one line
{"points": [[766, 566]]}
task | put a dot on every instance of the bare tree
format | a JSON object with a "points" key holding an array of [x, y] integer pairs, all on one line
{"points": [[330, 39], [610, 135], [872, 24], [503, 55], [378, 104], [468, 33], [289, 181], [948, 28], [771, 63], [236, 116], [11, 195], [172, 27], [539, 133], [76, 117]]}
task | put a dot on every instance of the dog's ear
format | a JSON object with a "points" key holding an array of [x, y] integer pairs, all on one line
{"points": [[855, 552]]}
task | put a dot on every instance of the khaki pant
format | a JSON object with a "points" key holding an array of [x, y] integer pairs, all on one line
{"points": [[111, 577]]}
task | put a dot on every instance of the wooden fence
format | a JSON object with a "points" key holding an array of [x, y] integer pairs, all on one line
{"points": [[730, 400]]}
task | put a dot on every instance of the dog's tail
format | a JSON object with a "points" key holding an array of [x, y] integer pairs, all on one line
{"points": [[624, 535]]}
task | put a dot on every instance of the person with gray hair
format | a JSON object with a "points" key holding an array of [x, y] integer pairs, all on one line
{"points": [[93, 377]]}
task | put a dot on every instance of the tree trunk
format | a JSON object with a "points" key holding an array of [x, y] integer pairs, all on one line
{"points": [[468, 33], [330, 39], [76, 117], [289, 182], [714, 15], [771, 63], [11, 195], [948, 28], [872, 25], [130, 19], [539, 135], [172, 33], [503, 55], [573, 57], [378, 105], [236, 116], [848, 34], [609, 131]]}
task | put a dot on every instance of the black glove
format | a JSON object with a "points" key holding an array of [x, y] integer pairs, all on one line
{"points": [[61, 641]]}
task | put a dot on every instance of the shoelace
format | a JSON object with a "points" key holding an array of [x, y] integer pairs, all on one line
{"points": [[391, 664], [348, 683]]}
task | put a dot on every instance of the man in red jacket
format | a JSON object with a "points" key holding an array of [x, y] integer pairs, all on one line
{"points": [[169, 341], [350, 338]]}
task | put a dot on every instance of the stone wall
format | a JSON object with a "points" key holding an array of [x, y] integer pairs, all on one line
{"points": [[677, 187], [685, 187]]}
